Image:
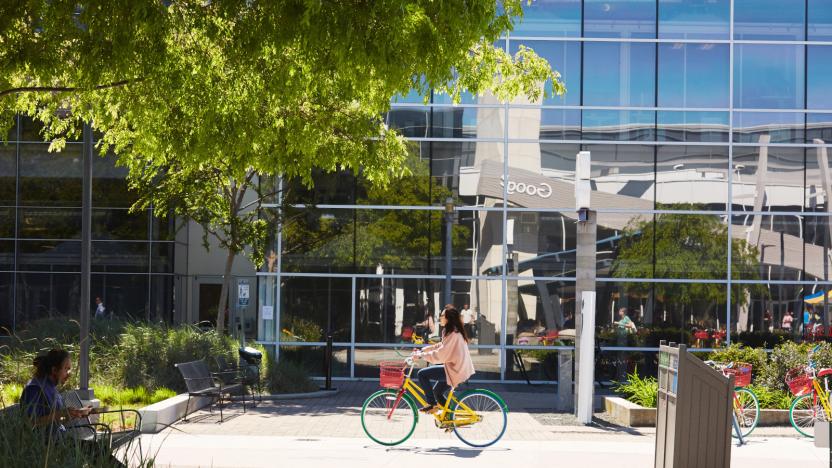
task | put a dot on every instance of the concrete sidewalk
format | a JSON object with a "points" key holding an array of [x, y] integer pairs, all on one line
{"points": [[179, 450], [317, 432]]}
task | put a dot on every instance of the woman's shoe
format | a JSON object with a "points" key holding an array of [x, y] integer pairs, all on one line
{"points": [[429, 409]]}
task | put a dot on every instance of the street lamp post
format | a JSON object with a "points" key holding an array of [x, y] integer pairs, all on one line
{"points": [[585, 263], [449, 223]]}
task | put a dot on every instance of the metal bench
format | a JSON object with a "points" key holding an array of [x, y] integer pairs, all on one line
{"points": [[201, 382], [84, 428]]}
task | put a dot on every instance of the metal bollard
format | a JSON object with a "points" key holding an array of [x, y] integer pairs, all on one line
{"points": [[328, 363]]}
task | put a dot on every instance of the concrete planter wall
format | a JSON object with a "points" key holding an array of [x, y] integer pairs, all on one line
{"points": [[630, 414]]}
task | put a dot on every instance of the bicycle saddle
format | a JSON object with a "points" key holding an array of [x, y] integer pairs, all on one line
{"points": [[824, 372]]}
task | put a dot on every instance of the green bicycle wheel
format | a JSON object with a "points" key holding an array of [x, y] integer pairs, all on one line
{"points": [[388, 419], [746, 409], [804, 412], [485, 424]]}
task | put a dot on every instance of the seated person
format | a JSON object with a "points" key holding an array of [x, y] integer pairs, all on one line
{"points": [[42, 402]]}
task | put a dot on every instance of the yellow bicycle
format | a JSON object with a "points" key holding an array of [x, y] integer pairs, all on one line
{"points": [[478, 417], [810, 386]]}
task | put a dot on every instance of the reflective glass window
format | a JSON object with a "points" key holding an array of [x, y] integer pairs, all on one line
{"points": [[817, 247], [694, 19], [820, 21], [49, 223], [773, 248], [539, 310], [692, 175], [780, 170], [161, 257], [819, 77], [768, 127], [7, 222], [620, 18], [393, 310], [615, 259], [6, 255], [51, 179], [565, 58], [557, 161], [539, 176], [317, 240], [119, 224], [688, 246], [44, 255], [619, 74], [162, 299], [124, 296], [459, 169], [6, 304], [309, 358], [618, 125], [769, 20], [768, 76], [8, 173], [335, 187], [45, 295], [555, 124], [693, 75], [544, 243], [120, 256], [818, 126], [818, 180], [466, 122], [312, 307], [30, 130], [415, 188], [109, 184], [622, 176], [556, 18], [411, 122], [757, 313], [692, 126]]}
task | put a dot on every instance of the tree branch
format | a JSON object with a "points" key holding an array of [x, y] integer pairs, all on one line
{"points": [[64, 89]]}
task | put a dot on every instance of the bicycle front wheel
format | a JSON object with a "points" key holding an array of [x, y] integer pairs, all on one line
{"points": [[804, 412], [387, 418], [746, 409], [479, 418]]}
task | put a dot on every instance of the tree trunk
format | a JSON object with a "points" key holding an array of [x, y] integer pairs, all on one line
{"points": [[226, 285]]}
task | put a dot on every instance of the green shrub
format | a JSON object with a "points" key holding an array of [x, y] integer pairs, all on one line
{"points": [[10, 394], [740, 353], [641, 391], [298, 329], [286, 376], [790, 355], [23, 447], [771, 399], [146, 355]]}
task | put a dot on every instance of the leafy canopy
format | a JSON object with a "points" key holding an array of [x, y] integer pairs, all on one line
{"points": [[278, 87]]}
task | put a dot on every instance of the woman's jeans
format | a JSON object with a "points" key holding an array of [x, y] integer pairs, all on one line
{"points": [[433, 393]]}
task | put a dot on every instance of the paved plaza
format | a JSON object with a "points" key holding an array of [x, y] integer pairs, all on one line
{"points": [[327, 432]]}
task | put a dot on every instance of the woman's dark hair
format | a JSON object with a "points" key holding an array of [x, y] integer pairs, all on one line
{"points": [[44, 363], [454, 321]]}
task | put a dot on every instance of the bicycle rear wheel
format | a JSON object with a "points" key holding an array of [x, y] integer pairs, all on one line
{"points": [[746, 409], [479, 418], [804, 412], [387, 418]]}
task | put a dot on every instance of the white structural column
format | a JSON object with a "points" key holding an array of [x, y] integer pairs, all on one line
{"points": [[585, 290]]}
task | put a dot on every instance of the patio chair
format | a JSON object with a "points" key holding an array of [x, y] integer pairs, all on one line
{"points": [[247, 375], [84, 428], [201, 382]]}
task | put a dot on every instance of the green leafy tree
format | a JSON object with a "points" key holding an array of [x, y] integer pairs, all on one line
{"points": [[685, 246], [197, 98]]}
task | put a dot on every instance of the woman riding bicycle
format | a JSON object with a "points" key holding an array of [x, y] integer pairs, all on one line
{"points": [[452, 352]]}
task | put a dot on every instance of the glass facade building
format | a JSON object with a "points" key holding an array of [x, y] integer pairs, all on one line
{"points": [[707, 123], [40, 238]]}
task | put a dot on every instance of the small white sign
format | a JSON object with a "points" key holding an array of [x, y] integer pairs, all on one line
{"points": [[242, 294], [267, 313]]}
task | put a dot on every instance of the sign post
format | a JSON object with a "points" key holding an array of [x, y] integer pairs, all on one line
{"points": [[585, 291]]}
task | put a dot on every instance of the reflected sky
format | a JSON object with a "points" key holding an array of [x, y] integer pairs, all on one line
{"points": [[550, 18], [694, 19], [768, 76], [621, 74], [565, 57], [769, 19], [693, 75], [819, 77], [621, 18]]}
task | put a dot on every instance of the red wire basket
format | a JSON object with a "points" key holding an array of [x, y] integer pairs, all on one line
{"points": [[741, 372], [391, 374], [799, 381], [701, 334]]}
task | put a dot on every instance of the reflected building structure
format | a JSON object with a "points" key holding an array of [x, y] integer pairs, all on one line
{"points": [[710, 176]]}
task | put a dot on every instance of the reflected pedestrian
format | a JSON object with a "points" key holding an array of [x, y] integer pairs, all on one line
{"points": [[100, 310]]}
